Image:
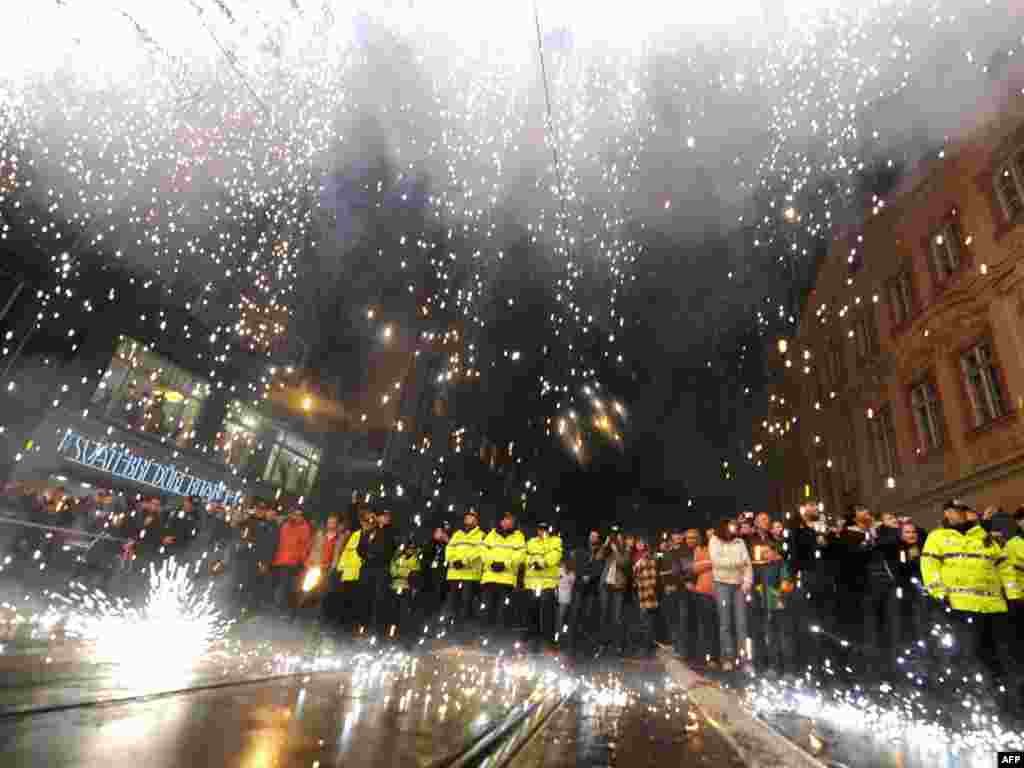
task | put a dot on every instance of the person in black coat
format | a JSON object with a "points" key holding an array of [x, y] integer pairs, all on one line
{"points": [[377, 550], [251, 569]]}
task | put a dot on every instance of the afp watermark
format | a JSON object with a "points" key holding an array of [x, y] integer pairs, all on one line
{"points": [[1010, 758]]}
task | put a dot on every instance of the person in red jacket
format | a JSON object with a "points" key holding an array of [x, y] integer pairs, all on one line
{"points": [[294, 540]]}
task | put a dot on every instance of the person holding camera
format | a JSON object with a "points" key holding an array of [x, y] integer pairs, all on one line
{"points": [[614, 585]]}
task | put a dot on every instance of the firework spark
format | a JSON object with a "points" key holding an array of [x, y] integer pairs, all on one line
{"points": [[161, 642]]}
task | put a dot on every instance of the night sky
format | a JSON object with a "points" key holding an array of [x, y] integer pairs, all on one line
{"points": [[612, 222]]}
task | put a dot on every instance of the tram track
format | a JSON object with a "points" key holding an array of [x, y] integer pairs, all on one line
{"points": [[498, 746]]}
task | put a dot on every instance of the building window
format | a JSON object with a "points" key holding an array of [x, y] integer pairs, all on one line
{"points": [[982, 382], [924, 401], [883, 439], [293, 464], [945, 250], [240, 436], [866, 334], [1009, 184], [143, 391], [900, 298]]}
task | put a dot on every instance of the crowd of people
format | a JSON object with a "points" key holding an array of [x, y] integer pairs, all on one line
{"points": [[776, 596]]}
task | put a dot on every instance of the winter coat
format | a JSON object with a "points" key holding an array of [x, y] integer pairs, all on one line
{"points": [[507, 548], [676, 569], [317, 551], [377, 548], [467, 548], [294, 540], [350, 563], [730, 562], [645, 581], [589, 568], [704, 583], [543, 556], [618, 567]]}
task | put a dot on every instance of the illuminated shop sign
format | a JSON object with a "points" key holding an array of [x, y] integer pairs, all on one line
{"points": [[119, 461]]}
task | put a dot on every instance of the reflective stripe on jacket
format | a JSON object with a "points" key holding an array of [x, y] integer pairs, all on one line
{"points": [[465, 548], [547, 553], [965, 570], [508, 549], [350, 563], [1013, 568]]}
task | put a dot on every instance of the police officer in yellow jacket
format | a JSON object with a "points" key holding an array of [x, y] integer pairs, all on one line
{"points": [[464, 556], [963, 566], [353, 602], [405, 581], [543, 556], [1013, 581], [504, 550]]}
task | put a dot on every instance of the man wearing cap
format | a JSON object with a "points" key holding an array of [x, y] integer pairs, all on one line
{"points": [[543, 556], [504, 550], [464, 556], [962, 565]]}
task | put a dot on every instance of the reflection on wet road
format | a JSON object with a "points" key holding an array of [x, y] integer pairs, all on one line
{"points": [[626, 716], [382, 715], [399, 712]]}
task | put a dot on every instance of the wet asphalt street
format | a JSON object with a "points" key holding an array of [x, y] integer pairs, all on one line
{"points": [[393, 713]]}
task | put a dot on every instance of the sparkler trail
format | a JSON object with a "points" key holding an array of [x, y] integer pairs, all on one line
{"points": [[202, 150]]}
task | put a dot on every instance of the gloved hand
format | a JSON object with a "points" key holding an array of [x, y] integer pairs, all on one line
{"points": [[497, 567], [457, 565]]}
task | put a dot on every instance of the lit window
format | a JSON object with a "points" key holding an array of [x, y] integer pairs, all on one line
{"points": [[924, 401], [981, 380], [293, 464], [145, 392], [237, 442]]}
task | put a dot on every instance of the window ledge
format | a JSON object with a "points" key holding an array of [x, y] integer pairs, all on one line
{"points": [[989, 426]]}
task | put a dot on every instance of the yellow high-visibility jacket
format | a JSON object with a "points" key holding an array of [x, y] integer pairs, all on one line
{"points": [[508, 549], [466, 548], [963, 569], [405, 562], [350, 563], [547, 553], [1013, 568]]}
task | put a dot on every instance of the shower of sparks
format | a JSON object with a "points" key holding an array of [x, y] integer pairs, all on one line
{"points": [[199, 141], [158, 643], [885, 715]]}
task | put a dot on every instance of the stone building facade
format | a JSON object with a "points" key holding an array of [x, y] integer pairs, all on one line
{"points": [[905, 381]]}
